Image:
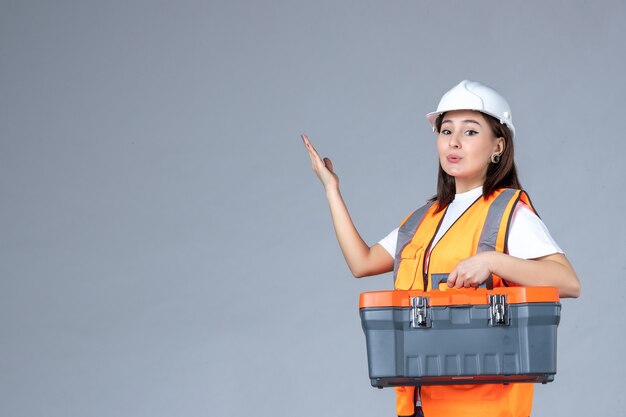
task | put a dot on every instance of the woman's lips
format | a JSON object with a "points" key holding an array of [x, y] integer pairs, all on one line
{"points": [[453, 158]]}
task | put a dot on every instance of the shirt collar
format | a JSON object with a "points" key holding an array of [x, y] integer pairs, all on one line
{"points": [[469, 195]]}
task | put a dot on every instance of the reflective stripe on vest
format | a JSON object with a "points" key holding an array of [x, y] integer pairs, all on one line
{"points": [[407, 231], [489, 234]]}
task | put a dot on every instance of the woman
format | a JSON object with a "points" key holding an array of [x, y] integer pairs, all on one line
{"points": [[457, 233]]}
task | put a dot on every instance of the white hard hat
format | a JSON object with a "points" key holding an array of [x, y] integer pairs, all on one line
{"points": [[471, 95]]}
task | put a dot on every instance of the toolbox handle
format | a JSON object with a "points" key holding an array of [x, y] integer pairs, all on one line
{"points": [[437, 279]]}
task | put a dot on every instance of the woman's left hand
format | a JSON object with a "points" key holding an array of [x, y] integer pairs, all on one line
{"points": [[471, 272]]}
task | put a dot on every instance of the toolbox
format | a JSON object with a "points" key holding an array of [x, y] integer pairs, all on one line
{"points": [[460, 336]]}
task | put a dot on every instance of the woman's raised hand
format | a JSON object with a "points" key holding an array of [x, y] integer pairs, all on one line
{"points": [[361, 259], [323, 168]]}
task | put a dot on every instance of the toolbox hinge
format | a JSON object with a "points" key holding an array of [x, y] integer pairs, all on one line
{"points": [[499, 310], [420, 312]]}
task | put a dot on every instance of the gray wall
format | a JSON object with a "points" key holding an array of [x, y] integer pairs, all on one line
{"points": [[165, 248]]}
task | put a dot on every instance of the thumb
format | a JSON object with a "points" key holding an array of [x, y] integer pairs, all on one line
{"points": [[328, 163]]}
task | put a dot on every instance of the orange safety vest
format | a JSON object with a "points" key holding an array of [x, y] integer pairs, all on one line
{"points": [[484, 226]]}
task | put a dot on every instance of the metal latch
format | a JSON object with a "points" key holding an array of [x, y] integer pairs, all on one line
{"points": [[420, 316], [499, 310]]}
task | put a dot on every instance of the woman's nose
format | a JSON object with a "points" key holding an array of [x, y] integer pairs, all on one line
{"points": [[454, 141]]}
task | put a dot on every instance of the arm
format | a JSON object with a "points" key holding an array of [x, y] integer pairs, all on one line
{"points": [[551, 270], [362, 259]]}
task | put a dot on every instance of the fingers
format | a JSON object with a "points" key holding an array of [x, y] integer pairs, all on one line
{"points": [[315, 158], [305, 139], [308, 144], [463, 281], [460, 280], [460, 283], [452, 278], [317, 162]]}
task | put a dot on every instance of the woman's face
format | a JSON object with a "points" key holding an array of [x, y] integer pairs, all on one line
{"points": [[465, 144]]}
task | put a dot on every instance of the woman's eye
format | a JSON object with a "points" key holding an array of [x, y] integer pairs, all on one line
{"points": [[445, 132], [471, 132]]}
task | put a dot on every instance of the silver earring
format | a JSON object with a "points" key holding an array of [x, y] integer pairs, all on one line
{"points": [[495, 158]]}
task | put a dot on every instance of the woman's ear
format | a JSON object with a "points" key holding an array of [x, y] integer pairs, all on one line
{"points": [[500, 145]]}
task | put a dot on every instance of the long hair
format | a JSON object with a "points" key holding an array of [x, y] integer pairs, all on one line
{"points": [[500, 175]]}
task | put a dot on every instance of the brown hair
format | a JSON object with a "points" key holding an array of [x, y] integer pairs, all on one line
{"points": [[500, 175]]}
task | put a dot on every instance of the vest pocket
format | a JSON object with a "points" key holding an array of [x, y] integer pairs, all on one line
{"points": [[410, 268]]}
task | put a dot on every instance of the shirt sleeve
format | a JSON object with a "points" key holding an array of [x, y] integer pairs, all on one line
{"points": [[390, 241], [529, 237]]}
